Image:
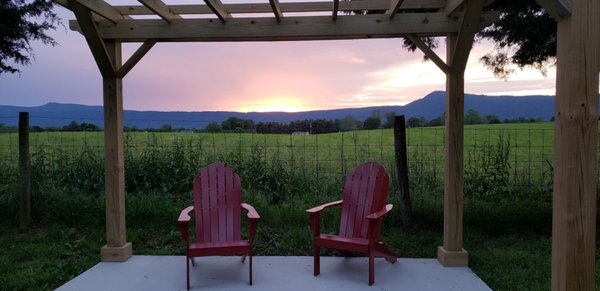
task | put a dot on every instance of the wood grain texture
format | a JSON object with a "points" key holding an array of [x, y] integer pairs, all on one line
{"points": [[558, 9], [135, 58], [160, 9], [453, 163], [217, 207], [575, 156], [317, 6], [96, 44], [363, 208], [114, 159], [290, 28], [469, 26], [101, 8], [428, 52]]}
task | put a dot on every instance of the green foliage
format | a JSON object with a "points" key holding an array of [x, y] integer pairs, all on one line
{"points": [[389, 119], [213, 127], [348, 123], [22, 22], [372, 122], [473, 117], [487, 172], [525, 35], [233, 123]]}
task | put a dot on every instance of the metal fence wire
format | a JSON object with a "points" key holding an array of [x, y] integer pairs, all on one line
{"points": [[498, 159]]}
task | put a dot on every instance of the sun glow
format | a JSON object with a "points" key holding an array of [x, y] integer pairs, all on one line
{"points": [[276, 104]]}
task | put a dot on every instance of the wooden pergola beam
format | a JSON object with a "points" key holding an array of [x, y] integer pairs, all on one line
{"points": [[335, 10], [320, 6], [452, 6], [468, 28], [161, 9], [101, 8], [276, 7], [135, 58], [575, 149], [93, 39], [428, 52], [218, 9], [117, 248], [558, 9], [289, 29], [394, 6]]}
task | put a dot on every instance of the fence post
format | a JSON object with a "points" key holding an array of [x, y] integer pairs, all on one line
{"points": [[402, 171], [25, 172]]}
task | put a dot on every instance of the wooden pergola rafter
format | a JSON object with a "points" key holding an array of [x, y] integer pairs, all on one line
{"points": [[107, 26]]}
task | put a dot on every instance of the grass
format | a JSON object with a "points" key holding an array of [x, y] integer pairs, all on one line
{"points": [[507, 221], [66, 241]]}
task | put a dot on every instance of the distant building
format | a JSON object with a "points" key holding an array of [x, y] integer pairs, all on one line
{"points": [[300, 133]]}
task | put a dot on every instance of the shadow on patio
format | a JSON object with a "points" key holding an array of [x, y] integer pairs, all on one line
{"points": [[274, 273]]}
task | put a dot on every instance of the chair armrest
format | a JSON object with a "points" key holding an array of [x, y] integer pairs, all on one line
{"points": [[321, 207], [379, 214], [252, 214], [253, 217], [184, 216]]}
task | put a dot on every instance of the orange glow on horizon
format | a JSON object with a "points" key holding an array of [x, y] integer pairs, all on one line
{"points": [[281, 104]]}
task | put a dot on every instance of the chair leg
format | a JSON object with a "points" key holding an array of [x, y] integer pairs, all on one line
{"points": [[193, 263], [382, 251], [187, 271], [317, 259], [371, 268], [243, 258], [250, 259]]}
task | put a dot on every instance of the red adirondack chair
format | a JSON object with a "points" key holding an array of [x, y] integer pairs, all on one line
{"points": [[363, 208], [217, 211]]}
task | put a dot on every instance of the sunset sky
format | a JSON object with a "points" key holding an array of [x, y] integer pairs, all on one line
{"points": [[259, 76]]}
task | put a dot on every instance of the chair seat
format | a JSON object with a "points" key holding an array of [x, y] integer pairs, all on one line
{"points": [[219, 248], [355, 244]]}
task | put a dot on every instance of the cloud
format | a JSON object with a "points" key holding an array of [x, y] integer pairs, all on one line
{"points": [[234, 76]]}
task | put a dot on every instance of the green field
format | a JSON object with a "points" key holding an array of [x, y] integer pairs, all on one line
{"points": [[530, 147], [507, 210]]}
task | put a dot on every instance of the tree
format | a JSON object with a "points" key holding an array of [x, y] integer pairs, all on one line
{"points": [[525, 35], [416, 121], [347, 123], [22, 22], [213, 127], [473, 117], [492, 119], [166, 128], [372, 122], [389, 119], [234, 123], [72, 126]]}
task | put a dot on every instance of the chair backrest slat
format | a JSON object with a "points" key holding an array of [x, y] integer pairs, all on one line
{"points": [[217, 204], [365, 192]]}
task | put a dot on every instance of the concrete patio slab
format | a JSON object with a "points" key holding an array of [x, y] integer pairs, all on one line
{"points": [[274, 273]]}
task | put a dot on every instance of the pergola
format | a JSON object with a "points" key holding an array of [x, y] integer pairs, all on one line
{"points": [[107, 26]]}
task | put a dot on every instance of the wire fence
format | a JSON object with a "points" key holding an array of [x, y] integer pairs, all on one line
{"points": [[498, 159]]}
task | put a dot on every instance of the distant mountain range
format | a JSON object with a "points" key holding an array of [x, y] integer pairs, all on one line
{"points": [[430, 106]]}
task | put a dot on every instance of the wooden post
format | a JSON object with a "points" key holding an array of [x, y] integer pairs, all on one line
{"points": [[576, 130], [117, 248], [452, 253], [25, 172], [402, 172]]}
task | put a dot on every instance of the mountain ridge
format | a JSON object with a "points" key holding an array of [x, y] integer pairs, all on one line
{"points": [[430, 106]]}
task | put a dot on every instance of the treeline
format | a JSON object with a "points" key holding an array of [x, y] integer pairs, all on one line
{"points": [[312, 126], [471, 117], [72, 126]]}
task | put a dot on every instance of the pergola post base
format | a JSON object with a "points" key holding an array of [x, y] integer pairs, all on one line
{"points": [[116, 254], [453, 258]]}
